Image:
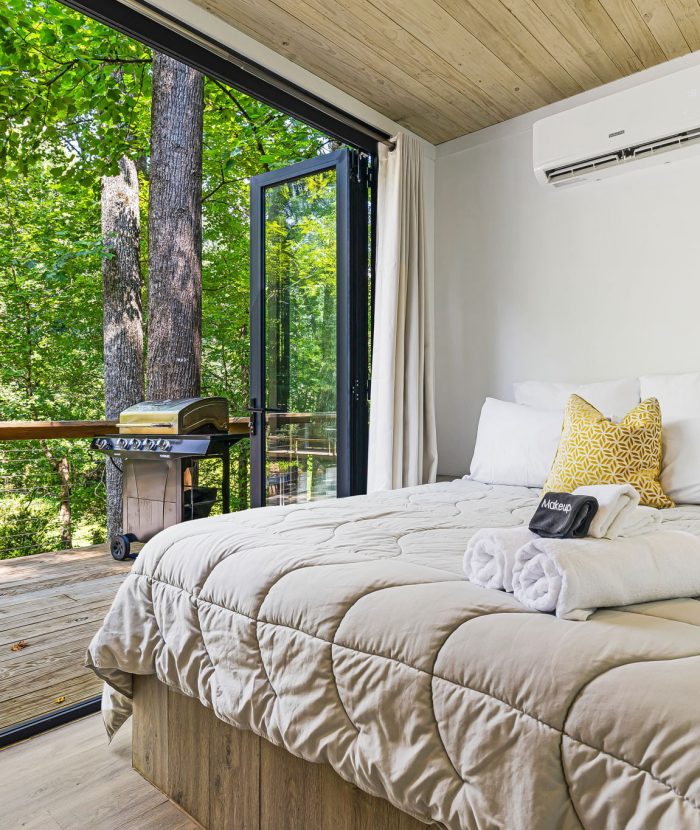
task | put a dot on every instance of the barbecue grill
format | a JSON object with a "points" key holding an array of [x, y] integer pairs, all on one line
{"points": [[157, 450]]}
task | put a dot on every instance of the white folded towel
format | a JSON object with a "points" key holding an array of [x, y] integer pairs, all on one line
{"points": [[490, 556], [640, 520], [618, 512], [573, 577]]}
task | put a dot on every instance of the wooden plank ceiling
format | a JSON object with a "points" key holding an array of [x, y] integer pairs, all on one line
{"points": [[443, 68]]}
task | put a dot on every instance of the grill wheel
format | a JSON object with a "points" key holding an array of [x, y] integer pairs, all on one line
{"points": [[120, 546]]}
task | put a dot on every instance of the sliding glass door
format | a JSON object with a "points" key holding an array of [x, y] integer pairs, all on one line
{"points": [[309, 330]]}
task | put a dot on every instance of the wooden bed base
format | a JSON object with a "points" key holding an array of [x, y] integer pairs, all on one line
{"points": [[229, 779]]}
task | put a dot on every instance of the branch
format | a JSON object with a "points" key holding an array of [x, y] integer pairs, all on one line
{"points": [[32, 46], [66, 68], [224, 181], [251, 121], [117, 61]]}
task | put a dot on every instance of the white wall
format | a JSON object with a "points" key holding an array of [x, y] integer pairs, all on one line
{"points": [[593, 283]]}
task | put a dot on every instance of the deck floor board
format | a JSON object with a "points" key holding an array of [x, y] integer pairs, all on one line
{"points": [[55, 603]]}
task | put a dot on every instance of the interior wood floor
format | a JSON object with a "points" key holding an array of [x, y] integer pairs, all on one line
{"points": [[70, 779], [53, 602]]}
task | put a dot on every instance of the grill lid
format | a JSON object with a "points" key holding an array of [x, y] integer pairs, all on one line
{"points": [[175, 417]]}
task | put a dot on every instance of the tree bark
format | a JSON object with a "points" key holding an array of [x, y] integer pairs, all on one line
{"points": [[61, 466], [175, 231], [123, 317]]}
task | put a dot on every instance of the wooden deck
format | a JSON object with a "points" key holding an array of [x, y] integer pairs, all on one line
{"points": [[53, 602]]}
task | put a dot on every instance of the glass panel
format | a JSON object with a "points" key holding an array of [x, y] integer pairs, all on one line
{"points": [[300, 333]]}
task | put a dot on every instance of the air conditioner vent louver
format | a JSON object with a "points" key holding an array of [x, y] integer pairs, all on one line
{"points": [[571, 172], [645, 125]]}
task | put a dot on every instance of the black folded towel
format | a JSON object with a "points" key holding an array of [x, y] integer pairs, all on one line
{"points": [[564, 516]]}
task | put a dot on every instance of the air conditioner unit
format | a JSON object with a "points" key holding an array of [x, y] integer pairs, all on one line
{"points": [[654, 123]]}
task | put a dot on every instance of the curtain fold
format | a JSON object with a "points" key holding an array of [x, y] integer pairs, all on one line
{"points": [[402, 433]]}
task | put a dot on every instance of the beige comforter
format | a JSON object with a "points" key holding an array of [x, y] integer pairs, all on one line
{"points": [[345, 632]]}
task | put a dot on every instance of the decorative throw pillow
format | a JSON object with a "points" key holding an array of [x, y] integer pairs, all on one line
{"points": [[593, 450]]}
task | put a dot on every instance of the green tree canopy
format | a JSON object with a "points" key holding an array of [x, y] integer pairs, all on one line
{"points": [[75, 96]]}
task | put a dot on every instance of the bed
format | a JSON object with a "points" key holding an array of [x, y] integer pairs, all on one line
{"points": [[343, 633]]}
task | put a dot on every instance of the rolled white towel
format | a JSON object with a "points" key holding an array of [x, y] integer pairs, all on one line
{"points": [[574, 577], [618, 511], [490, 556], [642, 520]]}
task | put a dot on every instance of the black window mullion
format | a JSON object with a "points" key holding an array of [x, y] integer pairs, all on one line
{"points": [[343, 334], [258, 423], [359, 319], [352, 337]]}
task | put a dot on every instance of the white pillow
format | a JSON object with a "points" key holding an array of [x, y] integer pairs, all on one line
{"points": [[515, 444], [680, 471], [614, 398], [679, 395]]}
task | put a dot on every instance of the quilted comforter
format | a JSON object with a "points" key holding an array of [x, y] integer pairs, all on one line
{"points": [[345, 632]]}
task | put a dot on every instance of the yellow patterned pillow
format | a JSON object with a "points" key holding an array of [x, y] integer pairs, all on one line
{"points": [[593, 450]]}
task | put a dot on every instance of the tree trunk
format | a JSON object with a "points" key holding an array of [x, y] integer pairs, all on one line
{"points": [[242, 457], [64, 510], [123, 324], [175, 231], [61, 467]]}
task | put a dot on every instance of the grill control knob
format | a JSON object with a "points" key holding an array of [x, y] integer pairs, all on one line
{"points": [[150, 444], [164, 445], [135, 444], [101, 443], [121, 443]]}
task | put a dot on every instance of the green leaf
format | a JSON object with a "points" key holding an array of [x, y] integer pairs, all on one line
{"points": [[47, 37]]}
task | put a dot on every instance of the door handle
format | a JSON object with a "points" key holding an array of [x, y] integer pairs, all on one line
{"points": [[278, 409], [260, 411]]}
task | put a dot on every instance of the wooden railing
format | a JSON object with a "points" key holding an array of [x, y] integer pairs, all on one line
{"points": [[30, 430]]}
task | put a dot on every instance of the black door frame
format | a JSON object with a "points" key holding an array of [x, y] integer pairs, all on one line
{"points": [[352, 327]]}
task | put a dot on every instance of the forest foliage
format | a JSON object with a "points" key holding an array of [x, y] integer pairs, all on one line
{"points": [[74, 98]]}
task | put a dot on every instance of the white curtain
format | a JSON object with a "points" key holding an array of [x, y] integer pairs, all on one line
{"points": [[402, 437]]}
